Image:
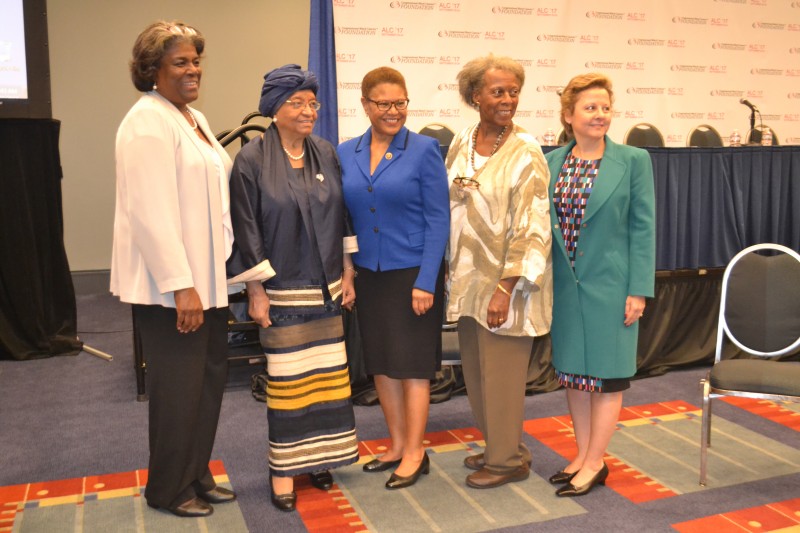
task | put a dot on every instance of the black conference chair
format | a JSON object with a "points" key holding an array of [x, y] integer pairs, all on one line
{"points": [[760, 314], [441, 133], [644, 134], [563, 137], [704, 136], [754, 136]]}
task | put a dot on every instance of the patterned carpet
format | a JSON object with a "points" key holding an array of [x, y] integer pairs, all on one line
{"points": [[653, 456]]}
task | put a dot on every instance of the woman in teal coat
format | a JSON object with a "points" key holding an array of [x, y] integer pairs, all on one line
{"points": [[603, 217]]}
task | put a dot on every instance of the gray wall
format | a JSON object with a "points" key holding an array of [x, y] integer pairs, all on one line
{"points": [[90, 45]]}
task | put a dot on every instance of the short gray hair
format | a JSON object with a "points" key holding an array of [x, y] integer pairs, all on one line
{"points": [[470, 78]]}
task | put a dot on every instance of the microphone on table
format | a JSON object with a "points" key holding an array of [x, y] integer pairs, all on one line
{"points": [[753, 111], [749, 104]]}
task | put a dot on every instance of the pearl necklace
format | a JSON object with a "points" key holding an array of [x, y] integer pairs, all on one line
{"points": [[295, 157], [475, 141], [194, 127]]}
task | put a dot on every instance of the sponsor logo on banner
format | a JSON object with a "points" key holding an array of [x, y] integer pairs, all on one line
{"points": [[674, 138], [545, 113], [414, 60], [634, 65], [718, 69], [646, 90], [690, 20], [608, 15], [607, 65], [495, 35], [755, 93], [792, 72], [392, 31], [523, 113], [769, 26], [715, 115], [647, 42], [687, 116], [795, 50], [767, 71], [636, 17], [791, 140], [546, 63], [447, 86], [449, 113], [503, 10], [774, 118], [417, 6], [423, 113], [347, 112], [716, 21], [732, 1], [549, 88], [590, 39], [344, 3], [758, 48], [735, 47], [525, 62], [675, 91], [688, 68], [342, 57], [676, 43], [793, 27], [552, 38], [349, 30], [727, 92], [349, 85], [449, 60], [546, 11], [637, 115], [449, 6], [758, 2], [460, 34], [793, 95]]}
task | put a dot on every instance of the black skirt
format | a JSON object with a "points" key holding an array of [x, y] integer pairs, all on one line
{"points": [[398, 343]]}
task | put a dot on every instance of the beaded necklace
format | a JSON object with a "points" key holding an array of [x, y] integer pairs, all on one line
{"points": [[194, 127], [475, 141], [294, 157]]}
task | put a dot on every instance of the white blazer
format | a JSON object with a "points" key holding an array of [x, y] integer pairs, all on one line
{"points": [[168, 225]]}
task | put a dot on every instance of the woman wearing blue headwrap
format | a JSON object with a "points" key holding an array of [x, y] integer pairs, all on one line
{"points": [[292, 252]]}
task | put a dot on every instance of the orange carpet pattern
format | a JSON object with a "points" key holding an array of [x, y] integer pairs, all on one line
{"points": [[776, 517]]}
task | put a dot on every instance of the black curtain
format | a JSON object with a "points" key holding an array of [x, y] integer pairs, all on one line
{"points": [[37, 299]]}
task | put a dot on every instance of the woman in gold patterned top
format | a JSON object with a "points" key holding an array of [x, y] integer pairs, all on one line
{"points": [[500, 282]]}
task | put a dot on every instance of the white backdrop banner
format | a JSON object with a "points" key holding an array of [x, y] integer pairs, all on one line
{"points": [[673, 64]]}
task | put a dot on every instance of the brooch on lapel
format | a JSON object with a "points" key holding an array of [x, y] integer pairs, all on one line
{"points": [[320, 178], [389, 156]]}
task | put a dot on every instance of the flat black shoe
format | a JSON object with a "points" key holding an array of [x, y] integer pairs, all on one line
{"points": [[321, 480], [569, 490], [218, 495], [194, 508], [400, 482], [561, 477], [376, 465], [284, 502]]}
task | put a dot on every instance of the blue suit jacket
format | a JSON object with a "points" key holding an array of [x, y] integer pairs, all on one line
{"points": [[401, 213]]}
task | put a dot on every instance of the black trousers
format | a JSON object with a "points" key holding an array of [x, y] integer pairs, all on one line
{"points": [[186, 375]]}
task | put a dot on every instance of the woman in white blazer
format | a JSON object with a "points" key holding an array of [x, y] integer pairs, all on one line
{"points": [[172, 235]]}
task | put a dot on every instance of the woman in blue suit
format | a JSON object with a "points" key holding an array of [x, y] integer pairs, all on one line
{"points": [[395, 187], [603, 268]]}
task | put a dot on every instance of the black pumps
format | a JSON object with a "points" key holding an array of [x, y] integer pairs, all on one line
{"points": [[376, 465], [569, 490], [561, 477], [401, 482], [321, 480]]}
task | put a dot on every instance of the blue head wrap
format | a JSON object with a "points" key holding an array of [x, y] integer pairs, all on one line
{"points": [[281, 83]]}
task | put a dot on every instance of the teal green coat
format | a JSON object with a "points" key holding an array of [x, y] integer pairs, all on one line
{"points": [[615, 258]]}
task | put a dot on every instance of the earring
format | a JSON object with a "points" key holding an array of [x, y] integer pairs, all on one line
{"points": [[155, 86]]}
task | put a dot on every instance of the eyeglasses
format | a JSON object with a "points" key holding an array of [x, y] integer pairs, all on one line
{"points": [[299, 104], [466, 183], [386, 106]]}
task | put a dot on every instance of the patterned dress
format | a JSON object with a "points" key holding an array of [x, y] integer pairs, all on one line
{"points": [[570, 197], [289, 226]]}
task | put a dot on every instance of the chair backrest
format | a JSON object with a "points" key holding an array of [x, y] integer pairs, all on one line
{"points": [[441, 133], [754, 136], [563, 137], [644, 134], [704, 136], [760, 302]]}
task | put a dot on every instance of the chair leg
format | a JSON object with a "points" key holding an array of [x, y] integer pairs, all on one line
{"points": [[705, 430]]}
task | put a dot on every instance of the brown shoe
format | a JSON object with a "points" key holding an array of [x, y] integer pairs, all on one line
{"points": [[475, 462], [483, 479]]}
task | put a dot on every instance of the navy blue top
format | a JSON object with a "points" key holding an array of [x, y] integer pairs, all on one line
{"points": [[401, 213]]}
